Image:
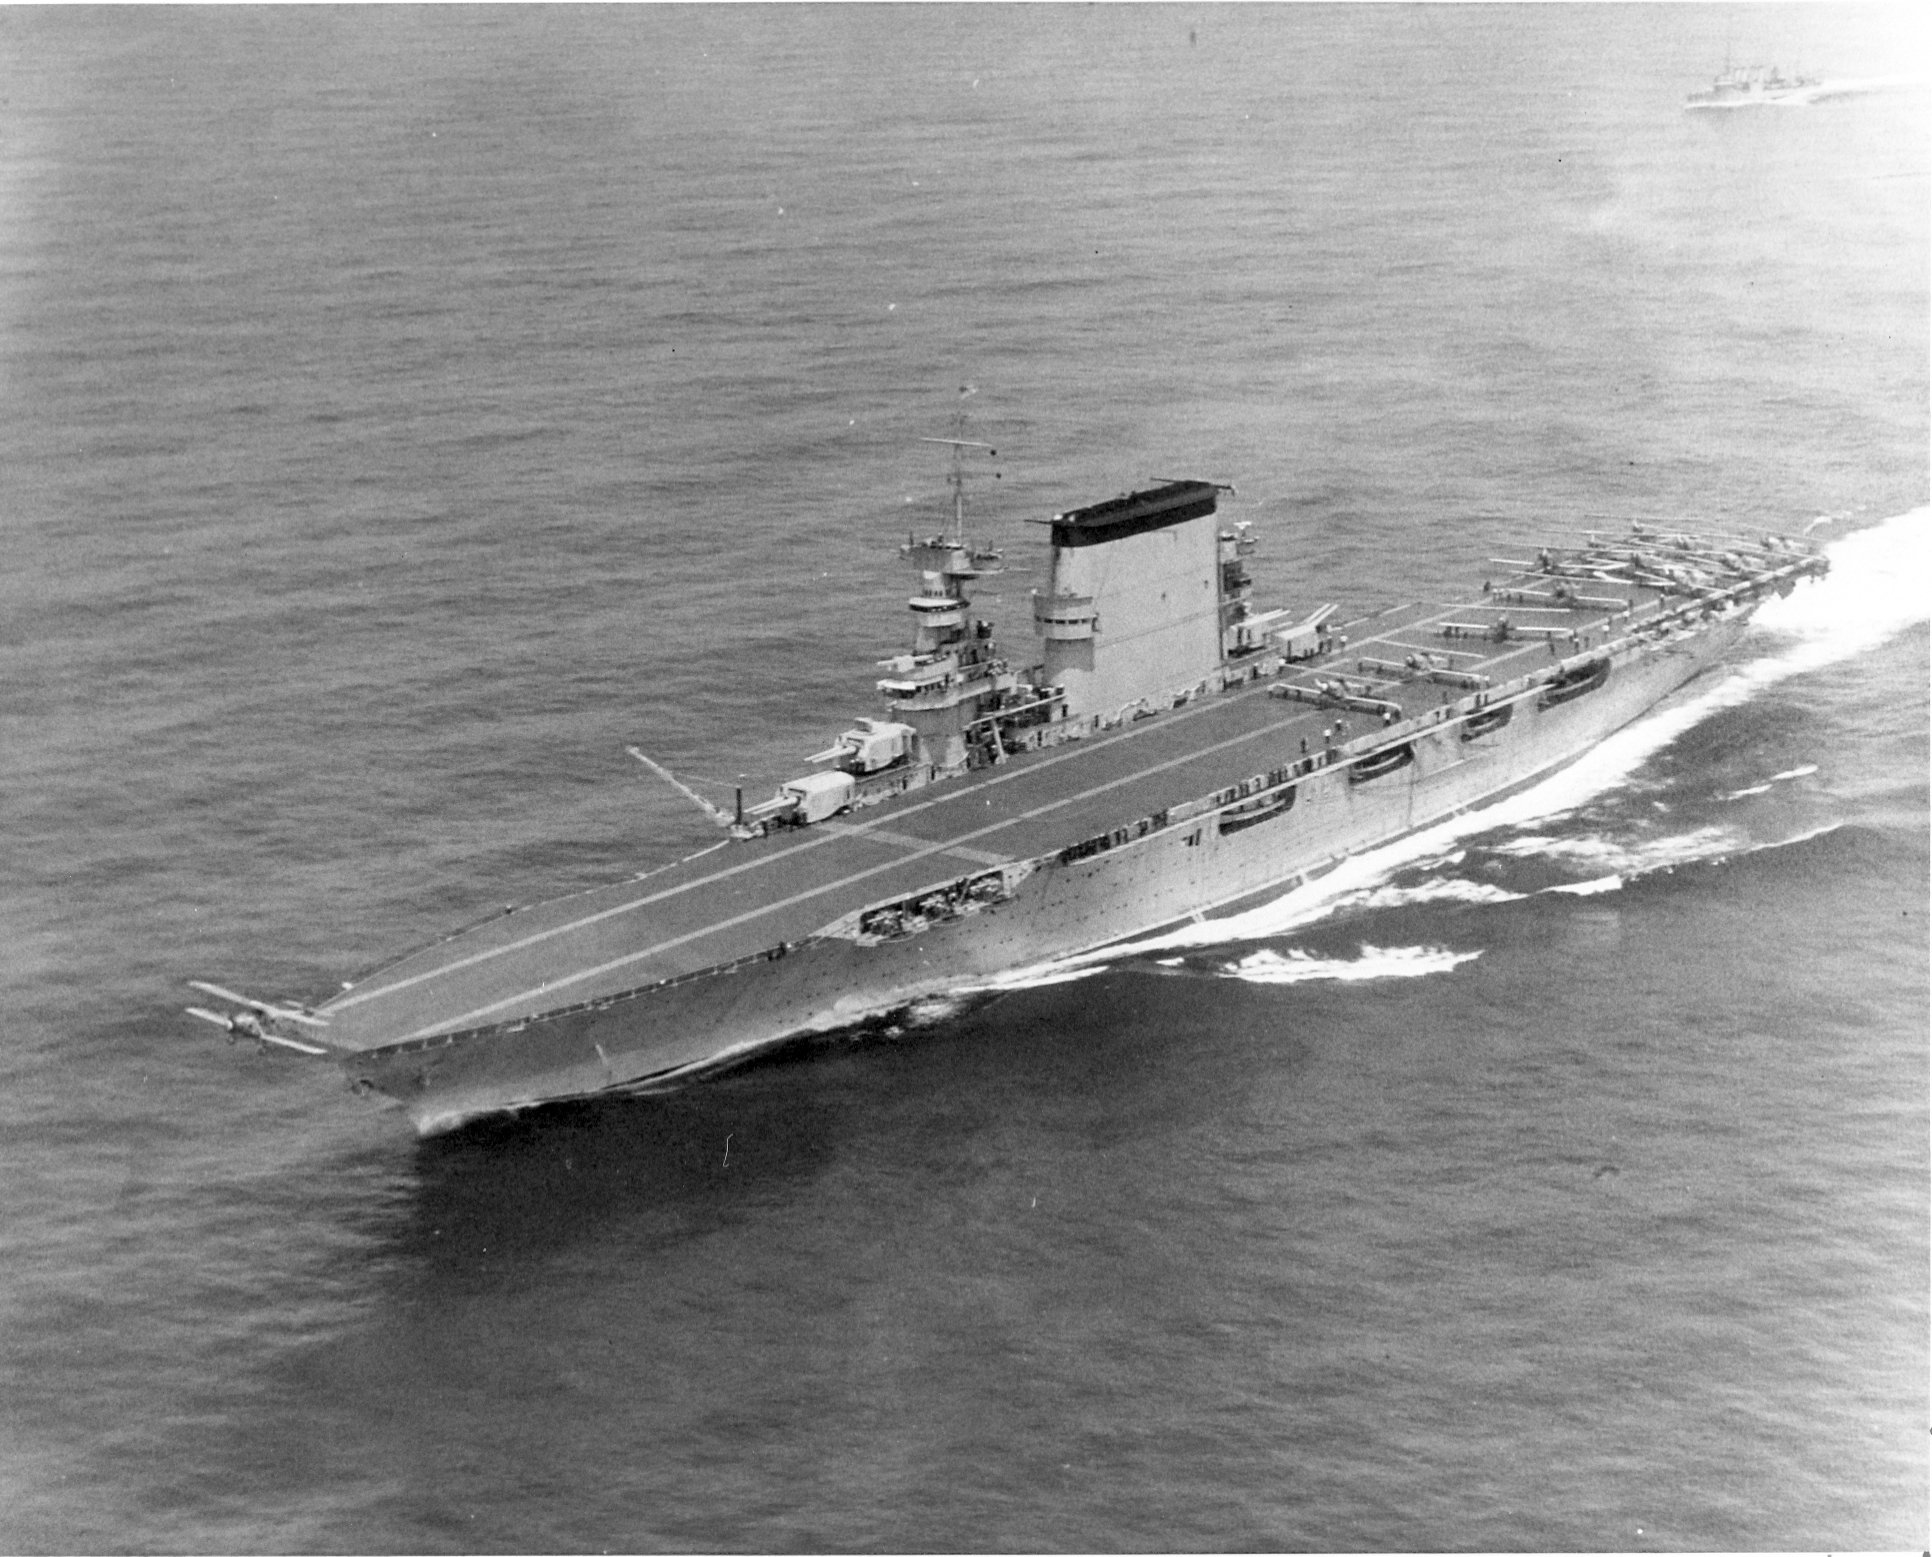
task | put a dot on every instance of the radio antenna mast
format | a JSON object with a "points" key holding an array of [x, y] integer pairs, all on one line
{"points": [[956, 479]]}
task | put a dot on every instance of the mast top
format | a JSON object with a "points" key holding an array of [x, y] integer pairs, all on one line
{"points": [[956, 479]]}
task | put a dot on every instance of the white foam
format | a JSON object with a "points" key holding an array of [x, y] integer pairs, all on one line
{"points": [[1875, 590], [1374, 962], [1038, 976], [932, 1010], [1627, 859], [1433, 889], [1589, 888]]}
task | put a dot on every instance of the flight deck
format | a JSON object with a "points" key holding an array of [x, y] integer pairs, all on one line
{"points": [[748, 898]]}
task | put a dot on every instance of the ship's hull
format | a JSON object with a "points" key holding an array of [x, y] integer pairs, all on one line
{"points": [[1129, 884]]}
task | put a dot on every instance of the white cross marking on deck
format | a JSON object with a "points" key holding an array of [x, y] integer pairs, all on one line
{"points": [[907, 841]]}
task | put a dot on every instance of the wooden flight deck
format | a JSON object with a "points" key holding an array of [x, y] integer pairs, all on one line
{"points": [[745, 898]]}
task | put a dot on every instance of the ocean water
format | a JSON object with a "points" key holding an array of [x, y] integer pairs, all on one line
{"points": [[402, 410]]}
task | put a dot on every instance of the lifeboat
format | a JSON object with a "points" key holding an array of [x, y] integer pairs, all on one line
{"points": [[1379, 764], [1575, 682]]}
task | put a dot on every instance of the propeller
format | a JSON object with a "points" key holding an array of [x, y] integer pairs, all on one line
{"points": [[248, 1025], [288, 1013]]}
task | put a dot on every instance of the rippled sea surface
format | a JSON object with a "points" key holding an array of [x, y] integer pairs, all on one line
{"points": [[402, 410]]}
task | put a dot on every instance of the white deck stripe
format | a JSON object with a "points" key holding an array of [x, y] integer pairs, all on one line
{"points": [[469, 1018], [862, 829], [1080, 749]]}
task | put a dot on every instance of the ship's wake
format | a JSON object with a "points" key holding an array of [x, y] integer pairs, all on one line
{"points": [[1295, 966], [1873, 592], [1626, 862], [1855, 86], [1621, 857], [1820, 91]]}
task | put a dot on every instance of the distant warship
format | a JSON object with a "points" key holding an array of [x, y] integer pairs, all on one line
{"points": [[1174, 755], [1750, 86]]}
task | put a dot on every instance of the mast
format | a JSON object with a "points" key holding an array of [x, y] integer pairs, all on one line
{"points": [[956, 479], [955, 669]]}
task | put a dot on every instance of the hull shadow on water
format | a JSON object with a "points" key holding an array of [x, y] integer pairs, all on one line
{"points": [[1126, 1053]]}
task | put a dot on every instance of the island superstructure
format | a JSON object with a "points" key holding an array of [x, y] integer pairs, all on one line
{"points": [[1173, 754]]}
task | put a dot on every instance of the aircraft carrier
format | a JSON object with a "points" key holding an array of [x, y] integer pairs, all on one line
{"points": [[1173, 754]]}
